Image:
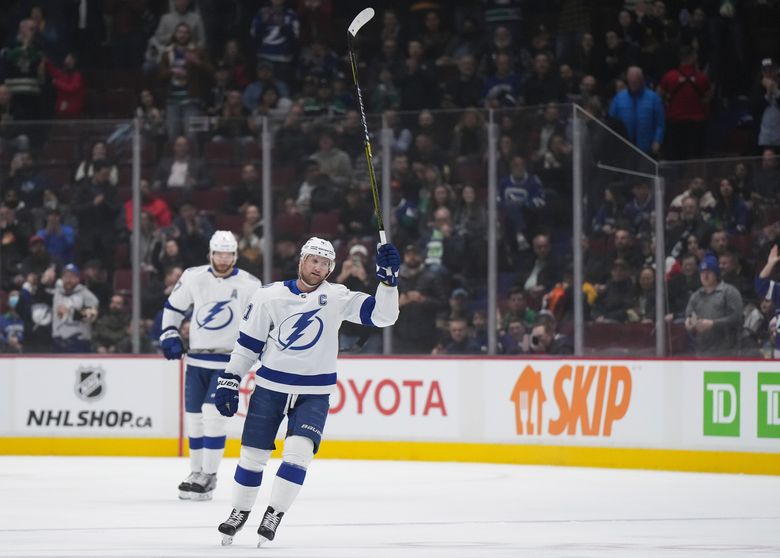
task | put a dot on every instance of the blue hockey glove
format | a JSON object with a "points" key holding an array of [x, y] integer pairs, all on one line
{"points": [[170, 343], [388, 262], [226, 398]]}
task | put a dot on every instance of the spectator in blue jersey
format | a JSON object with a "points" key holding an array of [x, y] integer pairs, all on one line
{"points": [[639, 210], [59, 239], [520, 197], [276, 31], [504, 81], [642, 112], [609, 212]]}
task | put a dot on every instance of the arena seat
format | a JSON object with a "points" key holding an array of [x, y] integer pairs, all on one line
{"points": [[292, 225], [225, 175], [212, 199], [225, 222], [58, 152], [121, 255], [219, 151], [619, 338], [123, 280], [251, 152], [325, 225]]}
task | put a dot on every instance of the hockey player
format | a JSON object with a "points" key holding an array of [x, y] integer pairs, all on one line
{"points": [[770, 290], [217, 294], [294, 324]]}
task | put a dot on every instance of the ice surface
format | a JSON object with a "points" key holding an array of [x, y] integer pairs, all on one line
{"points": [[73, 506]]}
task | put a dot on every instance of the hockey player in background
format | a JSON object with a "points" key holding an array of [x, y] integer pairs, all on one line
{"points": [[294, 325], [217, 294], [770, 290]]}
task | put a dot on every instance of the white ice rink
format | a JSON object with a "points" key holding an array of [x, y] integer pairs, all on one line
{"points": [[61, 506]]}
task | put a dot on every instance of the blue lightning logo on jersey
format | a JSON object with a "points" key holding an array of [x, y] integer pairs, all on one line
{"points": [[215, 315], [299, 329]]}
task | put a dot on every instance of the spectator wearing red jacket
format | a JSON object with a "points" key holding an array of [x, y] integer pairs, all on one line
{"points": [[686, 93], [70, 86], [156, 207]]}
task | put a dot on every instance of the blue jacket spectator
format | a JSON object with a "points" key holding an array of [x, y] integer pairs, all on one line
{"points": [[59, 239], [642, 111], [518, 194]]}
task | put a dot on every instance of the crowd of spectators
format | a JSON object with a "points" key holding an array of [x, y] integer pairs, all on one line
{"points": [[679, 80]]}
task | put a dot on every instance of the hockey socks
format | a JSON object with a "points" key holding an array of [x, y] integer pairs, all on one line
{"points": [[287, 484], [248, 476]]}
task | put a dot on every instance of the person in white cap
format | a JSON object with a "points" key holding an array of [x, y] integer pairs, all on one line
{"points": [[294, 325], [216, 295]]}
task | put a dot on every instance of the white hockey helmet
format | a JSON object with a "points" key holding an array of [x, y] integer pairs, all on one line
{"points": [[223, 241], [319, 247]]}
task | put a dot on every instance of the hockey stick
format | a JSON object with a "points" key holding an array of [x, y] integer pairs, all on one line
{"points": [[360, 20]]}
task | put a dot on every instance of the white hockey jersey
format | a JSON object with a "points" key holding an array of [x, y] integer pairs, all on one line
{"points": [[217, 306], [297, 333]]}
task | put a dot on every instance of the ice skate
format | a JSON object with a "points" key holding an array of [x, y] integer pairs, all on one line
{"points": [[202, 487], [232, 525], [267, 529], [185, 487]]}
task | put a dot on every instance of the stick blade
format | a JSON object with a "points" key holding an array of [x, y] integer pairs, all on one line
{"points": [[360, 20]]}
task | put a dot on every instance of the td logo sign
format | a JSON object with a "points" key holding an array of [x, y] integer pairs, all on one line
{"points": [[721, 404], [768, 405]]}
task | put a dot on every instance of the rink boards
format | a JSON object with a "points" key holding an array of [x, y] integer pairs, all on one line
{"points": [[652, 414]]}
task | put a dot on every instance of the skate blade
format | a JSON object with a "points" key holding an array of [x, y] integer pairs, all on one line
{"points": [[202, 497], [227, 540], [262, 540], [185, 495]]}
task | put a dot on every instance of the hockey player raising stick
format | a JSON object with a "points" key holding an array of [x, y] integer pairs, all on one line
{"points": [[217, 294], [294, 324]]}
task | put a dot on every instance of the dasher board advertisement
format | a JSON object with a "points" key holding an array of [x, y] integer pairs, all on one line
{"points": [[83, 397], [386, 400], [687, 405]]}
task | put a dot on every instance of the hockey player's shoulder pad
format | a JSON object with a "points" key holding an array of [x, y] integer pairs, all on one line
{"points": [[193, 271]]}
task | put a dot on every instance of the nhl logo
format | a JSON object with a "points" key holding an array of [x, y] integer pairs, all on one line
{"points": [[90, 384]]}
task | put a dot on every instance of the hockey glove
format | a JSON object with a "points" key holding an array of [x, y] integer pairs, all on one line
{"points": [[170, 343], [388, 262], [226, 398]]}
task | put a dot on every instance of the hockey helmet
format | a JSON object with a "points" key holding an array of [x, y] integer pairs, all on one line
{"points": [[319, 247], [223, 241]]}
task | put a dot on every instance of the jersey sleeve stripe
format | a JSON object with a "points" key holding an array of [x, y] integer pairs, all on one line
{"points": [[366, 309], [249, 342], [296, 379], [171, 307]]}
